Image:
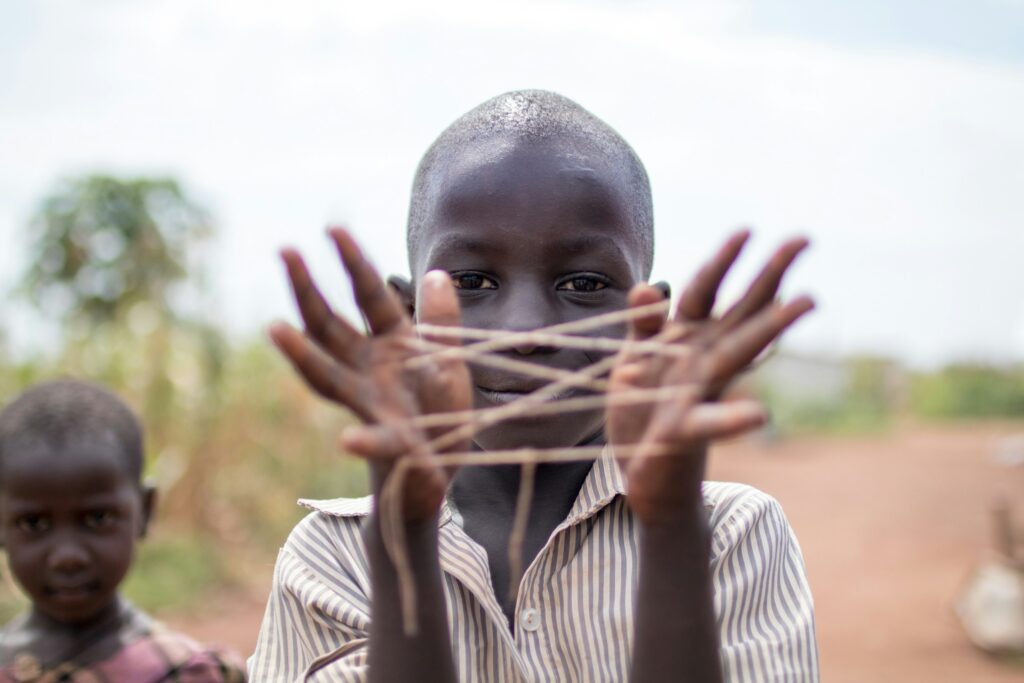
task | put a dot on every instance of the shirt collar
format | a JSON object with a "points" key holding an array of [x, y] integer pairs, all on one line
{"points": [[603, 483], [358, 507]]}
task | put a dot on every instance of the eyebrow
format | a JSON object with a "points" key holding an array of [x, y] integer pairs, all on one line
{"points": [[461, 244], [588, 243]]}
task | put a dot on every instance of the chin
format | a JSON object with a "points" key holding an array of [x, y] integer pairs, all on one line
{"points": [[559, 431], [77, 609]]}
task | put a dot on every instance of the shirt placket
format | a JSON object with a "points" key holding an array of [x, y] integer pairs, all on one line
{"points": [[466, 561]]}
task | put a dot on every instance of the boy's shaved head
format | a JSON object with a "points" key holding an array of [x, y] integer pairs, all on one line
{"points": [[534, 116], [59, 413]]}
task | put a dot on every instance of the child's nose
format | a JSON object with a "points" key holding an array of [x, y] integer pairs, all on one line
{"points": [[528, 311], [68, 556]]}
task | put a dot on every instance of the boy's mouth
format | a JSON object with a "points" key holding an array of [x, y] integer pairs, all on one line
{"points": [[72, 593], [508, 394]]}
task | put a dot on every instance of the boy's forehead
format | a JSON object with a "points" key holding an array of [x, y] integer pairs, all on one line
{"points": [[85, 460], [506, 160], [553, 184]]}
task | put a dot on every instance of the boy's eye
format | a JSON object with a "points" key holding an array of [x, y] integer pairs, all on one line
{"points": [[100, 519], [472, 281], [583, 284], [32, 524]]}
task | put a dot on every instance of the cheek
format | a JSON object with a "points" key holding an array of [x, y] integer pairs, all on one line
{"points": [[484, 313], [114, 555], [27, 563]]}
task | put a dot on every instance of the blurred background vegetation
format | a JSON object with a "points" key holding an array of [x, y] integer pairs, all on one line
{"points": [[233, 439]]}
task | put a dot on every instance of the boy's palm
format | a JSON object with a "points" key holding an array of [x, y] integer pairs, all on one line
{"points": [[370, 374], [669, 436]]}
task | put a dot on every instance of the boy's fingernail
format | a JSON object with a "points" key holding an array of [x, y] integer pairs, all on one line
{"points": [[805, 303], [352, 437], [435, 278], [276, 330]]}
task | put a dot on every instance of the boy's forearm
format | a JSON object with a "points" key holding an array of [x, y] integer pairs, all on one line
{"points": [[676, 636], [427, 656]]}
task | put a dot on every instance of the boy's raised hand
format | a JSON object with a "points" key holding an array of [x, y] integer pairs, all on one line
{"points": [[368, 374], [671, 436]]}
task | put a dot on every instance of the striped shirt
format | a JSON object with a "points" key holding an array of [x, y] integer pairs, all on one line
{"points": [[575, 608]]}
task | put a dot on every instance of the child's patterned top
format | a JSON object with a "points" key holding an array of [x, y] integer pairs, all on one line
{"points": [[154, 655]]}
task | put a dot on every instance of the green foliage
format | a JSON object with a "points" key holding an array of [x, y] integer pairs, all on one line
{"points": [[877, 390], [866, 402], [174, 572], [845, 416], [102, 244], [969, 391], [12, 602]]}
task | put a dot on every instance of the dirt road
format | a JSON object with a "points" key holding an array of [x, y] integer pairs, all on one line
{"points": [[891, 528]]}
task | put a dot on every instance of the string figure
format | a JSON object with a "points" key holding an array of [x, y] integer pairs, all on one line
{"points": [[341, 363]]}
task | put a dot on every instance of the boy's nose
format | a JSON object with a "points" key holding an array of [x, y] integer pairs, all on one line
{"points": [[68, 557], [528, 311], [527, 348]]}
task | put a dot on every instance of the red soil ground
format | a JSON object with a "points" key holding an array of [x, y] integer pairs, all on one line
{"points": [[890, 526]]}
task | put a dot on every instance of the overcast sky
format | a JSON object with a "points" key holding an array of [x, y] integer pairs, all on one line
{"points": [[889, 132]]}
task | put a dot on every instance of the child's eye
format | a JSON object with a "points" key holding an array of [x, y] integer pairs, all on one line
{"points": [[472, 281], [583, 284], [100, 519], [32, 524]]}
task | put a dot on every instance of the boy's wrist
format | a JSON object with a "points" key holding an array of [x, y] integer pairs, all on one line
{"points": [[676, 523], [420, 535]]}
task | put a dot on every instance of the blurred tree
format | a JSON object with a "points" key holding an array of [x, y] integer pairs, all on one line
{"points": [[116, 261], [103, 244]]}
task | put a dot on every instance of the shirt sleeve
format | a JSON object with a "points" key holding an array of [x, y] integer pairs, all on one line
{"points": [[762, 599], [316, 626]]}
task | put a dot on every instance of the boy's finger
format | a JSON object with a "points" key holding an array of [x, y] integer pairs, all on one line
{"points": [[645, 326], [439, 305], [375, 442], [332, 332], [708, 421], [633, 367], [765, 286], [331, 380], [738, 347], [378, 303], [698, 298]]}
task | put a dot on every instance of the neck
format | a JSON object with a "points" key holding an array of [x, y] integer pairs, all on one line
{"points": [[556, 485], [108, 620]]}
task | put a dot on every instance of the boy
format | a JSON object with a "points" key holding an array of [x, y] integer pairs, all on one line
{"points": [[72, 507], [526, 212]]}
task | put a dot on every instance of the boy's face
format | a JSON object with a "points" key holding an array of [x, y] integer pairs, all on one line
{"points": [[70, 520], [532, 235]]}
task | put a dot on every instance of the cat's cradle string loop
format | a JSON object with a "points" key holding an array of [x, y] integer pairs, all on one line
{"points": [[547, 400]]}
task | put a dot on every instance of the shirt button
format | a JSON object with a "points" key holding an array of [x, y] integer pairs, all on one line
{"points": [[529, 619]]}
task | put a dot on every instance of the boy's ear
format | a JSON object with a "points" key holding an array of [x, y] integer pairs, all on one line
{"points": [[406, 292], [149, 496], [666, 288]]}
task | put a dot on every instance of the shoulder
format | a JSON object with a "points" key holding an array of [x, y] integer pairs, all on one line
{"points": [[326, 547], [14, 637], [739, 514], [198, 662], [165, 655]]}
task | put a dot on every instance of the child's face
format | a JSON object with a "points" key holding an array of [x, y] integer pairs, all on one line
{"points": [[533, 235], [70, 520]]}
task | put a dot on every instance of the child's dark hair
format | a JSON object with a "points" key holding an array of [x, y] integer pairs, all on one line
{"points": [[55, 413], [535, 115]]}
